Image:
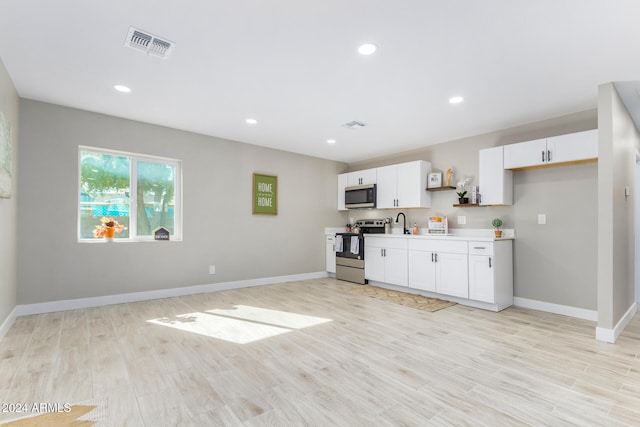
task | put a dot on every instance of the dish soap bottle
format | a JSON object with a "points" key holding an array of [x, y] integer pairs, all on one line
{"points": [[415, 228]]}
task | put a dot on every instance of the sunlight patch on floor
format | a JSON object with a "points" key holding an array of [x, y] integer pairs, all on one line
{"points": [[243, 324]]}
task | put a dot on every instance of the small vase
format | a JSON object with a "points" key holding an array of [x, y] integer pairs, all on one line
{"points": [[109, 233], [498, 234], [463, 200]]}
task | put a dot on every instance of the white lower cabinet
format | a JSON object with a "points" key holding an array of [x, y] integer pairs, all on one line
{"points": [[472, 272], [491, 272], [330, 252], [439, 266], [385, 260]]}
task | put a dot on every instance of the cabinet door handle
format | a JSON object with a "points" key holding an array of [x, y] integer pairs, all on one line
{"points": [[479, 247], [548, 156], [436, 257], [489, 262], [431, 256], [542, 156]]}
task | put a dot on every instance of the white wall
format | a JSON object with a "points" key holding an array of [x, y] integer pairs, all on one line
{"points": [[218, 228], [619, 141], [8, 208], [554, 263]]}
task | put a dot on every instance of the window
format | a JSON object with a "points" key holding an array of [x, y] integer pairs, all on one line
{"points": [[140, 192]]}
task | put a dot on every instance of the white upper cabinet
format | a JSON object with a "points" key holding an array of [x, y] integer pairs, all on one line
{"points": [[570, 148], [573, 147], [403, 185], [495, 182], [367, 176], [524, 154]]}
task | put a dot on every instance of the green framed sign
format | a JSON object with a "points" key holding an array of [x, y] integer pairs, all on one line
{"points": [[265, 194]]}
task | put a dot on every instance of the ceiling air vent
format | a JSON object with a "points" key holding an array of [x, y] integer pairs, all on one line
{"points": [[354, 124], [148, 43]]}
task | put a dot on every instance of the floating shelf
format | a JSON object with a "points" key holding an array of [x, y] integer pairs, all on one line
{"points": [[440, 188], [466, 205]]}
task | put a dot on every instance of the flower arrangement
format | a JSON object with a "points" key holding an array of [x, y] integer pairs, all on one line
{"points": [[108, 224], [461, 188]]}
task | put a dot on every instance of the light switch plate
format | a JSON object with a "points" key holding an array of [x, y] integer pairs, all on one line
{"points": [[462, 220], [542, 219]]}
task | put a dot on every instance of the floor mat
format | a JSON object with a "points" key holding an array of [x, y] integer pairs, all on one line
{"points": [[403, 298]]}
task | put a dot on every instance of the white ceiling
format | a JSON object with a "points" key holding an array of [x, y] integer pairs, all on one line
{"points": [[293, 65]]}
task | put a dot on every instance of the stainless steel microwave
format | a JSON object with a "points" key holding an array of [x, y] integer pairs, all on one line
{"points": [[360, 196]]}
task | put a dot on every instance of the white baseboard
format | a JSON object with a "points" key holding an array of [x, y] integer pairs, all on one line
{"points": [[611, 335], [73, 304], [7, 323], [549, 307]]}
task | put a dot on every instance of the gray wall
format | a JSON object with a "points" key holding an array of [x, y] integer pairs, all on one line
{"points": [[619, 142], [218, 227], [8, 207], [554, 263]]}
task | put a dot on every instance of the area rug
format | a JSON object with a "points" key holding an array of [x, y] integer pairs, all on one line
{"points": [[410, 300]]}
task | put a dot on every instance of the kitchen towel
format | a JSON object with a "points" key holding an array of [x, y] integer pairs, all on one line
{"points": [[338, 244], [355, 245]]}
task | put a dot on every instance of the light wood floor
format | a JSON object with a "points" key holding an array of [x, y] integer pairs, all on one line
{"points": [[313, 354]]}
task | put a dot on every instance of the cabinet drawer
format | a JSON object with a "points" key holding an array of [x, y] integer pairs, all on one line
{"points": [[385, 242], [480, 248], [454, 247]]}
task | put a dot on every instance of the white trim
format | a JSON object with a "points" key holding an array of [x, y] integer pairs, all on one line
{"points": [[8, 322], [611, 335], [73, 304], [565, 310]]}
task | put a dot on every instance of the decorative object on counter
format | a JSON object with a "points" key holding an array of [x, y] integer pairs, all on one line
{"points": [[265, 194], [438, 225], [108, 228], [161, 233], [461, 190], [435, 180], [497, 223], [449, 176], [387, 226], [415, 228]]}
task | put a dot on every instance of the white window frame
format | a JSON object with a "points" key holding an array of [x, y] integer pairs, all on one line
{"points": [[133, 185]]}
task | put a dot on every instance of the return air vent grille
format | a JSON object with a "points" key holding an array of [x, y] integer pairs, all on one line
{"points": [[148, 43], [354, 124]]}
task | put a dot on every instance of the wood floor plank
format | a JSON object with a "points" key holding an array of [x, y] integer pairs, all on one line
{"points": [[312, 353]]}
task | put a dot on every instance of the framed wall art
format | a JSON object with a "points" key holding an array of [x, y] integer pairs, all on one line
{"points": [[265, 194], [5, 157], [434, 180]]}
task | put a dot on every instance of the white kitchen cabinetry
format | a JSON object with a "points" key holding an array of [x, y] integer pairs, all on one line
{"points": [[495, 182], [403, 185], [439, 266], [571, 148], [385, 260], [330, 254], [491, 272], [366, 176], [350, 179]]}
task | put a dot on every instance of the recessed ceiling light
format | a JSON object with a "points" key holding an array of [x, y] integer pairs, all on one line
{"points": [[456, 100], [251, 121], [121, 88], [331, 141], [367, 49]]}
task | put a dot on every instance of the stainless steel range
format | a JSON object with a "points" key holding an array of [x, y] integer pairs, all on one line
{"points": [[350, 250]]}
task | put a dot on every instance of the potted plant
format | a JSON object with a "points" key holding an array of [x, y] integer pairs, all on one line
{"points": [[108, 228], [461, 190], [497, 223]]}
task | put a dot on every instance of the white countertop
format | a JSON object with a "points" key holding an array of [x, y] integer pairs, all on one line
{"points": [[462, 237]]}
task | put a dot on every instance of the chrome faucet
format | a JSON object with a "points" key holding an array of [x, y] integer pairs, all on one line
{"points": [[404, 222]]}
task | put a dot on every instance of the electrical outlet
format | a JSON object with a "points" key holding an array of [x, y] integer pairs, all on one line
{"points": [[542, 219], [212, 269], [462, 220]]}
